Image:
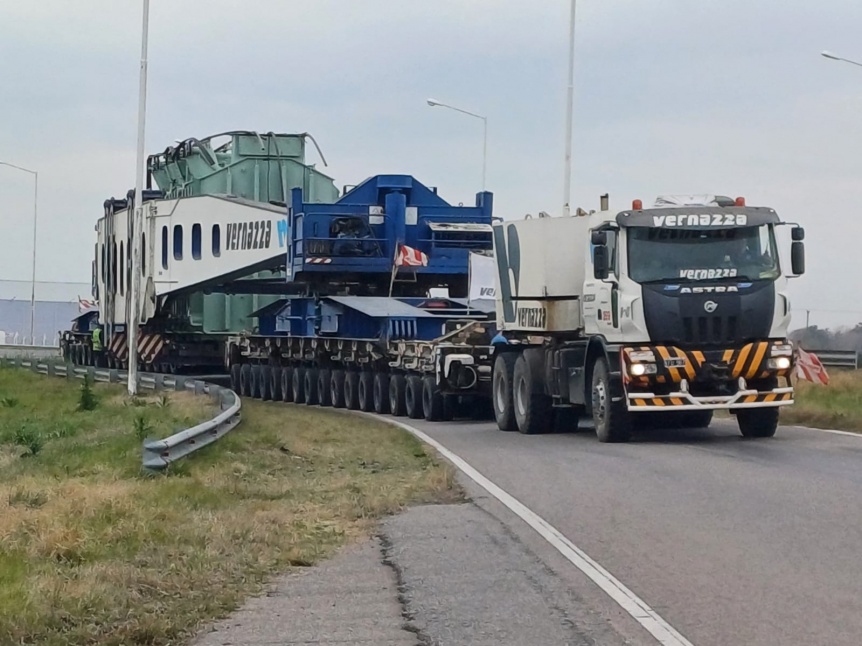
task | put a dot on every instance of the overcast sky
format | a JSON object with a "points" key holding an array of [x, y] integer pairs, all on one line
{"points": [[671, 96]]}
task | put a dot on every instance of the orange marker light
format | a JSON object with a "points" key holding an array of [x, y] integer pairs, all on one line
{"points": [[740, 201], [637, 205]]}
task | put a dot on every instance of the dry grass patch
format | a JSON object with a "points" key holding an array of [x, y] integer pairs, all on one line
{"points": [[93, 551], [836, 406]]}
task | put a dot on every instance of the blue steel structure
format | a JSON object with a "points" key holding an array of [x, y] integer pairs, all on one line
{"points": [[352, 244]]}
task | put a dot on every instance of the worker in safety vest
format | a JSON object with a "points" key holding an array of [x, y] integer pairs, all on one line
{"points": [[98, 349]]}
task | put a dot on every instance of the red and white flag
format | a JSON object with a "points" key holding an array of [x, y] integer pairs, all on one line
{"points": [[410, 257], [809, 368], [85, 305]]}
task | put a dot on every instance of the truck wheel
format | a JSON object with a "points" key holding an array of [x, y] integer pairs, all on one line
{"points": [[275, 383], [413, 397], [351, 386], [324, 387], [504, 408], [336, 388], [255, 381], [397, 395], [245, 380], [381, 393], [532, 406], [234, 377], [432, 400], [697, 419], [265, 382], [612, 420], [287, 384], [365, 391], [758, 422], [298, 384], [310, 387]]}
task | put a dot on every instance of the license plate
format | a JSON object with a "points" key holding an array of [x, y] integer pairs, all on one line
{"points": [[674, 363]]}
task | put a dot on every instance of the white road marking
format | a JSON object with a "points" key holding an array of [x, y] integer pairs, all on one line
{"points": [[664, 633]]}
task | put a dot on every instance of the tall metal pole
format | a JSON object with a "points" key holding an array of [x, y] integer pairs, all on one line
{"points": [[567, 177], [35, 175], [33, 272], [137, 215]]}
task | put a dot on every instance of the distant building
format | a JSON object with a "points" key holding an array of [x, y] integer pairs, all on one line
{"points": [[56, 306]]}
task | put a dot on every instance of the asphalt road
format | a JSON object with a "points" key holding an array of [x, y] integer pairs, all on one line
{"points": [[731, 541]]}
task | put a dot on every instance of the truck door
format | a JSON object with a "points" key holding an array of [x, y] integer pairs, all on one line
{"points": [[600, 306]]}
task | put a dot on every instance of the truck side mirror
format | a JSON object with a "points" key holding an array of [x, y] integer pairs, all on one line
{"points": [[600, 262], [797, 257], [797, 234], [599, 238]]}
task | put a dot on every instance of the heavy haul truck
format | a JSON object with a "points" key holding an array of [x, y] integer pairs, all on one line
{"points": [[651, 315]]}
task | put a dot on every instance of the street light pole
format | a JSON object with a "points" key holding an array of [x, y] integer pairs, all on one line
{"points": [[436, 103], [35, 175], [137, 215], [833, 57], [567, 177]]}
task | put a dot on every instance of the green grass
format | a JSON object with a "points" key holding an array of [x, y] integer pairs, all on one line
{"points": [[94, 551], [836, 406]]}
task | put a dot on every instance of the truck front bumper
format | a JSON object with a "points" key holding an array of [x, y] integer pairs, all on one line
{"points": [[666, 377]]}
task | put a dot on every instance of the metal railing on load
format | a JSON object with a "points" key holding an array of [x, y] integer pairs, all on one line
{"points": [[837, 358]]}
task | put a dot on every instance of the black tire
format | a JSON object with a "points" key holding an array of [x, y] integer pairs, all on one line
{"points": [[501, 391], [336, 388], [758, 422], [380, 394], [413, 397], [245, 380], [266, 383], [235, 378], [351, 390], [397, 395], [365, 391], [275, 383], [533, 411], [255, 382], [324, 390], [287, 384], [310, 386], [697, 419], [566, 420], [297, 384], [433, 403], [612, 420]]}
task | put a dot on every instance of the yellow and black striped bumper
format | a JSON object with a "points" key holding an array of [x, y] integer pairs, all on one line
{"points": [[685, 401], [673, 364]]}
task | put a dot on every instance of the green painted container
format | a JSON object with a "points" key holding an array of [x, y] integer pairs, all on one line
{"points": [[245, 164]]}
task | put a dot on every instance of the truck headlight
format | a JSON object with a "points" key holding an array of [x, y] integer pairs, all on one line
{"points": [[641, 369], [779, 363], [781, 350]]}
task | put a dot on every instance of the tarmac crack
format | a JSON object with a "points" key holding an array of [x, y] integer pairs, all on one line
{"points": [[409, 617]]}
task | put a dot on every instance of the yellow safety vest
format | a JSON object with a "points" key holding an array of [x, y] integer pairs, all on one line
{"points": [[97, 339]]}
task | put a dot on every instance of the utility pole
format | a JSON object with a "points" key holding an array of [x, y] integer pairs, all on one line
{"points": [[567, 178], [138, 212]]}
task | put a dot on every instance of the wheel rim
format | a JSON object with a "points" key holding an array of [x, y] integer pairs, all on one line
{"points": [[600, 401], [521, 397]]}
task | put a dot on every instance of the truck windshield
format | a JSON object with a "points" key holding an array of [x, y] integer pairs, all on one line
{"points": [[658, 255]]}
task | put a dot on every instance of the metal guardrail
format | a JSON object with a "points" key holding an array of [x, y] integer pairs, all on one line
{"points": [[837, 358], [157, 454]]}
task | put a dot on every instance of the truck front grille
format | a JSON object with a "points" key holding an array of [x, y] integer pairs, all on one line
{"points": [[709, 329]]}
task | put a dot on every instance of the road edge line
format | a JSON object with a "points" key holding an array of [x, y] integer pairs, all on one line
{"points": [[648, 618]]}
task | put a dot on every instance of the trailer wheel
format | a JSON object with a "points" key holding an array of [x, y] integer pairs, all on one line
{"points": [[336, 388], [381, 393], [365, 391], [758, 422], [310, 387], [324, 390], [612, 420], [245, 380], [235, 378], [287, 384], [351, 388], [265, 383], [504, 407], [397, 395], [298, 384], [433, 403], [275, 383], [413, 397], [532, 407]]}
